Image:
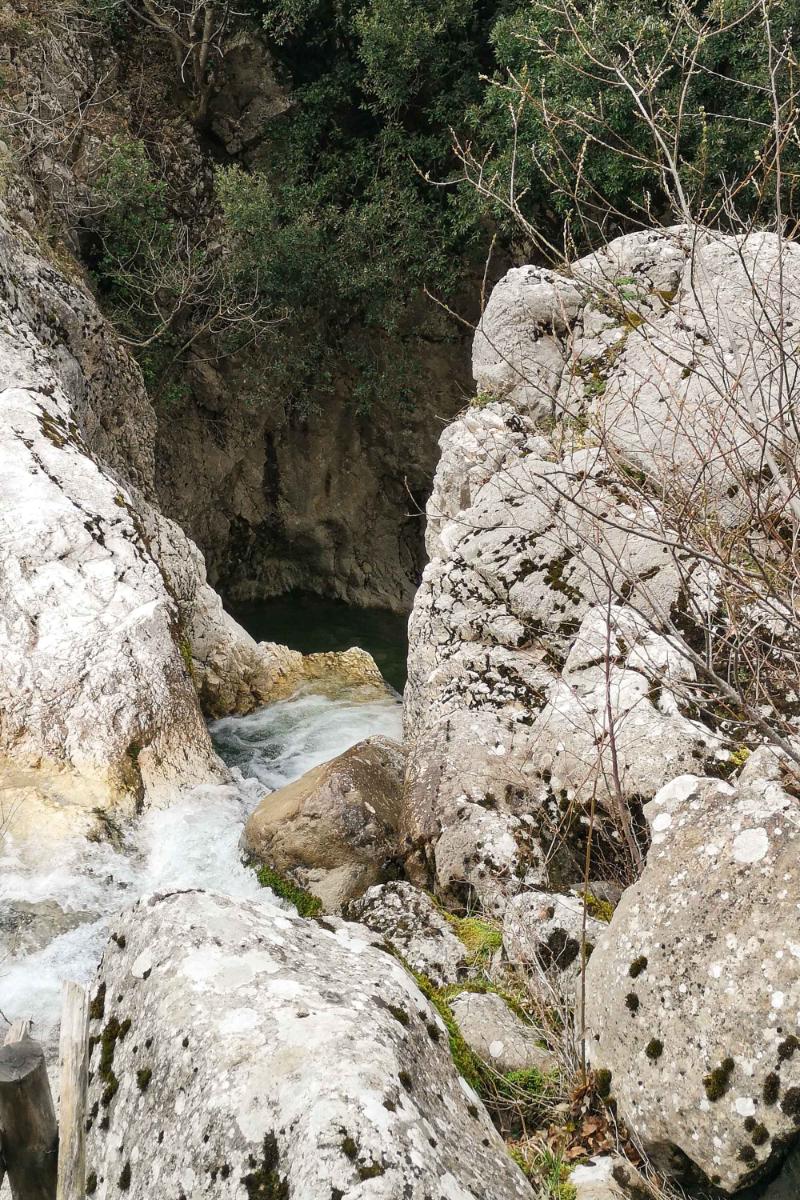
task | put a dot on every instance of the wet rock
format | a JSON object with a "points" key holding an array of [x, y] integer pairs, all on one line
{"points": [[334, 830], [354, 668], [411, 923], [693, 989], [28, 925], [497, 1034], [242, 1050]]}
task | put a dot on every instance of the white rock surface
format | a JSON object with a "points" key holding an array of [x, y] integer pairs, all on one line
{"points": [[259, 1042], [595, 1180], [497, 1035], [108, 628], [547, 936], [92, 684], [693, 990], [542, 674], [411, 923]]}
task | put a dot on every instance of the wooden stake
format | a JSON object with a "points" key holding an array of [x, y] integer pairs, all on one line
{"points": [[74, 1076], [18, 1031], [28, 1122]]}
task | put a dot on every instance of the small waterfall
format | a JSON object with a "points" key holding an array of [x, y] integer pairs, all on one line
{"points": [[55, 913]]}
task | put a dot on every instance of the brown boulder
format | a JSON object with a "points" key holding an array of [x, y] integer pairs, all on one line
{"points": [[334, 830]]}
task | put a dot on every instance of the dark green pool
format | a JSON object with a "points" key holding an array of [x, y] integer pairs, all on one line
{"points": [[311, 624]]}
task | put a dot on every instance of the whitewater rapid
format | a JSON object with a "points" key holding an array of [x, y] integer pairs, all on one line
{"points": [[55, 915]]}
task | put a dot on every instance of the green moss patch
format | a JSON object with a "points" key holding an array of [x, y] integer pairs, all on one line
{"points": [[717, 1081], [112, 1033], [263, 1182], [481, 938], [654, 1049], [465, 1059], [306, 904], [601, 910]]}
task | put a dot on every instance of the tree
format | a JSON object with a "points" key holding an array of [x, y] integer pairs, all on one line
{"points": [[195, 31], [616, 115], [168, 286]]}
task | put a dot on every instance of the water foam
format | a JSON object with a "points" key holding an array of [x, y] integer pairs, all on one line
{"points": [[194, 842]]}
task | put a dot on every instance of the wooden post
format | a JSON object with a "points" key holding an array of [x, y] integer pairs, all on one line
{"points": [[27, 1119], [74, 1077], [18, 1031]]}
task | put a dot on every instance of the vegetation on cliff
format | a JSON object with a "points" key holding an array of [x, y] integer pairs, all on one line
{"points": [[426, 133]]}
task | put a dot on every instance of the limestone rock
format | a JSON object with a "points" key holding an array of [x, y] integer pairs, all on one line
{"points": [[344, 668], [693, 385], [241, 1046], [542, 637], [544, 934], [232, 672], [513, 662], [248, 97], [693, 989], [28, 925], [108, 627], [410, 922], [91, 678], [596, 1180], [498, 1035], [98, 705], [334, 830], [517, 352]]}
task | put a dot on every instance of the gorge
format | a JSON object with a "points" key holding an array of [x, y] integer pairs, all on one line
{"points": [[402, 751]]}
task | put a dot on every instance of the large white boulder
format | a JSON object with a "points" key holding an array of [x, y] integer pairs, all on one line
{"points": [[242, 1051], [693, 990]]}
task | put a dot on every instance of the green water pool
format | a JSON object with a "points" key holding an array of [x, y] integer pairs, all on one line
{"points": [[312, 624]]}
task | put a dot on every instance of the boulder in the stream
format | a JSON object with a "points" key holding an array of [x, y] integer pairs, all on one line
{"points": [[334, 830], [693, 990], [240, 1050]]}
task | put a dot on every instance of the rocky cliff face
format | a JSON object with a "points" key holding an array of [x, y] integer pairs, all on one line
{"points": [[555, 686], [108, 625], [332, 503]]}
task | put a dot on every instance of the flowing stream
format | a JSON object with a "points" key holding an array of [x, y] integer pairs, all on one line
{"points": [[55, 913]]}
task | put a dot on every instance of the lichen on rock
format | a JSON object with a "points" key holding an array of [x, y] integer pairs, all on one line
{"points": [[278, 1062]]}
